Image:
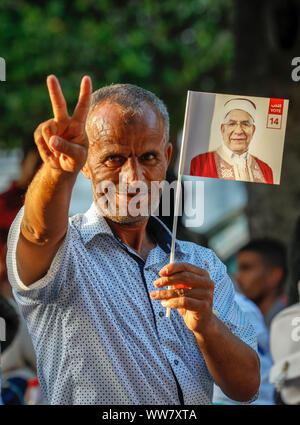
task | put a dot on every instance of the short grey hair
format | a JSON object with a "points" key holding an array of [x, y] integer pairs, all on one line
{"points": [[131, 98]]}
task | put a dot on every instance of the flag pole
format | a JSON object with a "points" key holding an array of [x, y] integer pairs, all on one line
{"points": [[178, 185]]}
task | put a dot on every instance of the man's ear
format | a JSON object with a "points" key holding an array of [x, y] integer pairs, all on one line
{"points": [[168, 152], [254, 128], [86, 171], [222, 128], [275, 276]]}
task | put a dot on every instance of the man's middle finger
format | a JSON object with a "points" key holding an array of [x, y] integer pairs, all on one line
{"points": [[188, 279], [83, 104], [181, 292]]}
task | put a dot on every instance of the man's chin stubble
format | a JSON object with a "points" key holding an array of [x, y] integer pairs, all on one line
{"points": [[122, 219], [126, 220]]}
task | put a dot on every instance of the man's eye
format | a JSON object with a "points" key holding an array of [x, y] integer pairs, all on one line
{"points": [[115, 159], [148, 156], [245, 268]]}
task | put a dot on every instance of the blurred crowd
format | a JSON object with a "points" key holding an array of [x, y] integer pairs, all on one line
{"points": [[267, 283], [18, 361]]}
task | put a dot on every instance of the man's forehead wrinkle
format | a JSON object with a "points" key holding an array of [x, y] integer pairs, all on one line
{"points": [[102, 128], [145, 111], [115, 127]]}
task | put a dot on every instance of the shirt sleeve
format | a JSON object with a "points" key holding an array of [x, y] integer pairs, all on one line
{"points": [[226, 307], [45, 289], [229, 312]]}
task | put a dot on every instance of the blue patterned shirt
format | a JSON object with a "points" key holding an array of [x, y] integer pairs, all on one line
{"points": [[99, 337]]}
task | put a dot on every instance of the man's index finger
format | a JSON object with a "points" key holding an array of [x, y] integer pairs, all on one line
{"points": [[58, 101]]}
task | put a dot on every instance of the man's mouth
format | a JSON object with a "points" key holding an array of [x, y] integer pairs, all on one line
{"points": [[139, 196], [237, 140], [129, 194]]}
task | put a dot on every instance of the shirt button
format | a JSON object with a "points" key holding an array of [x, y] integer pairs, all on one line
{"points": [[161, 314], [176, 362]]}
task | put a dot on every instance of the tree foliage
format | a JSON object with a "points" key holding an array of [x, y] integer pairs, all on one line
{"points": [[164, 46]]}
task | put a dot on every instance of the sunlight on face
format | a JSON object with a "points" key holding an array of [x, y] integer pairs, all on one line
{"points": [[129, 152]]}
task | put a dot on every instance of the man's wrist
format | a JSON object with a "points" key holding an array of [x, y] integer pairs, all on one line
{"points": [[57, 175], [209, 329]]}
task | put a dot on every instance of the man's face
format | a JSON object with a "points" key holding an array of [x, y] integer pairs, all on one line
{"points": [[128, 151], [252, 276], [237, 131]]}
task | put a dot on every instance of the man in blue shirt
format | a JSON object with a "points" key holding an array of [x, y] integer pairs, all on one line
{"points": [[86, 284]]}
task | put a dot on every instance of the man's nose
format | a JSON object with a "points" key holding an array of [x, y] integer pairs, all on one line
{"points": [[238, 128], [132, 170]]}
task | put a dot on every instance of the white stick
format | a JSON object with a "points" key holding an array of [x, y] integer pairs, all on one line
{"points": [[178, 186]]}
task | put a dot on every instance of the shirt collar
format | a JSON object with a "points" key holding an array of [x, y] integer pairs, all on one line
{"points": [[233, 155], [93, 223]]}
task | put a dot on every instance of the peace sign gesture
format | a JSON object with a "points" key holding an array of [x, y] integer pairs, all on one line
{"points": [[62, 141]]}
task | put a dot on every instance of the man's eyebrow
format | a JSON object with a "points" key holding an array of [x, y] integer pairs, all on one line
{"points": [[150, 151], [113, 154], [239, 120], [110, 151]]}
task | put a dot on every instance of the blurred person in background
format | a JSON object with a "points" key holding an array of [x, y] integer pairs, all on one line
{"points": [[18, 362], [13, 198], [9, 328], [293, 257], [261, 275], [266, 389], [284, 331]]}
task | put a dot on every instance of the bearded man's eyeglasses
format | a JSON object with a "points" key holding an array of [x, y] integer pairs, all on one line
{"points": [[232, 125]]}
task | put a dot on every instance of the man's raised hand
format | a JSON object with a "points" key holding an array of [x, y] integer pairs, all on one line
{"points": [[62, 141]]}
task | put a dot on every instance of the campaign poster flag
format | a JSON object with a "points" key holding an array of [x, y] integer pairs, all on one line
{"points": [[231, 137], [234, 137]]}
